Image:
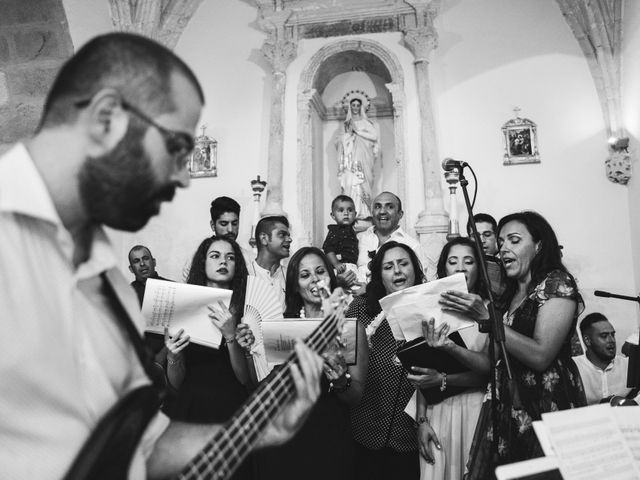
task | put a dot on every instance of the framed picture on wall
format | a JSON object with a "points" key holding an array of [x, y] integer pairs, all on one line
{"points": [[520, 141], [204, 158]]}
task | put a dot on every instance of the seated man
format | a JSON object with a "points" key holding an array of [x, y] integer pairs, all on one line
{"points": [[386, 214], [603, 372], [143, 266]]}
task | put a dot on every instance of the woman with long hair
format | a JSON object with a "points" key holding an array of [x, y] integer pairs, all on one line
{"points": [[541, 304], [451, 403], [322, 448], [215, 381], [385, 437]]}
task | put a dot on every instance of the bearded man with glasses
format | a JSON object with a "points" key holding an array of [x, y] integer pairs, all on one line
{"points": [[113, 143]]}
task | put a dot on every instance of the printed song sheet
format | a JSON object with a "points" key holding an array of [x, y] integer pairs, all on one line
{"points": [[179, 305], [406, 309], [280, 335], [589, 444]]}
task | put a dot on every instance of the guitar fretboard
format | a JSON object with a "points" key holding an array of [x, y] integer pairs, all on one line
{"points": [[233, 442]]}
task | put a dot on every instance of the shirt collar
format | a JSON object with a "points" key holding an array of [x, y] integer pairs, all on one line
{"points": [[23, 192]]}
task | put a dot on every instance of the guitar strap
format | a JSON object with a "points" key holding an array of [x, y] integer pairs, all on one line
{"points": [[108, 451]]}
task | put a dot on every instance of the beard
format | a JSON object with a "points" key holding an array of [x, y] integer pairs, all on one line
{"points": [[119, 189]]}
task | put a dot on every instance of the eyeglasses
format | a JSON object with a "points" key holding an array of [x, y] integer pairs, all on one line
{"points": [[178, 144]]}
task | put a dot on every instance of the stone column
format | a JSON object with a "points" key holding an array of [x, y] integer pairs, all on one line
{"points": [[280, 51], [433, 220]]}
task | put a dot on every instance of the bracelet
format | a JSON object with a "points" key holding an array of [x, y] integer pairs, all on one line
{"points": [[229, 341], [342, 389], [443, 385], [422, 419]]}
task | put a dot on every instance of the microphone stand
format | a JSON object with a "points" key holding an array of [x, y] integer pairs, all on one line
{"points": [[494, 325], [633, 370]]}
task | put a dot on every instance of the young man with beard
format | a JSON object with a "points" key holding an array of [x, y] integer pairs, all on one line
{"points": [[603, 372], [225, 222], [386, 210], [115, 135]]}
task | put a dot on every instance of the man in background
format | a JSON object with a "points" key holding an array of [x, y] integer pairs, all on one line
{"points": [[386, 210], [143, 266], [603, 372]]}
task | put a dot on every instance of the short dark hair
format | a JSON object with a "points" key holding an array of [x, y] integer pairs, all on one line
{"points": [[267, 224], [441, 269], [486, 218], [375, 288], [198, 275], [292, 298], [139, 247], [222, 205], [342, 198], [588, 321], [137, 67]]}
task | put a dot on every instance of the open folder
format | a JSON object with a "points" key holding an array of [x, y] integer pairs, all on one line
{"points": [[180, 305], [280, 336]]}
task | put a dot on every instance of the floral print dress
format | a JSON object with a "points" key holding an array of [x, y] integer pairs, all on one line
{"points": [[557, 388]]}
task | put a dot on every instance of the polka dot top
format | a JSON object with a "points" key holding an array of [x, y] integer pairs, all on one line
{"points": [[379, 420]]}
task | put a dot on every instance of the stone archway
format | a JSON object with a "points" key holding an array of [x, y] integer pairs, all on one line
{"points": [[309, 103]]}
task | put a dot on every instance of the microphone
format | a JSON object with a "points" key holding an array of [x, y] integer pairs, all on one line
{"points": [[600, 293], [449, 164]]}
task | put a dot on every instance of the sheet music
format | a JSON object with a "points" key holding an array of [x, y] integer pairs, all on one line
{"points": [[180, 305], [279, 337], [628, 419], [589, 444], [406, 309]]}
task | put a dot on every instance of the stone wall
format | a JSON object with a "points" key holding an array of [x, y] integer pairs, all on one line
{"points": [[34, 41]]}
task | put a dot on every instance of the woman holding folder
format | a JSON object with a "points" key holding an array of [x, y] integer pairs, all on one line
{"points": [[322, 449], [385, 436], [452, 416], [542, 304], [215, 380]]}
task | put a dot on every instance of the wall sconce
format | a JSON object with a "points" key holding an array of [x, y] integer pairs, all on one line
{"points": [[258, 187], [618, 163]]}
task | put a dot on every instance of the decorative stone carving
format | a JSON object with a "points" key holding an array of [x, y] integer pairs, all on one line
{"points": [[618, 167], [306, 101], [279, 53], [163, 21]]}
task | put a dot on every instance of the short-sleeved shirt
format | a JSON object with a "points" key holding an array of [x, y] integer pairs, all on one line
{"points": [[343, 241]]}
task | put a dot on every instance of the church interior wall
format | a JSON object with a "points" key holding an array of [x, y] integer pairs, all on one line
{"points": [[492, 56], [631, 121]]}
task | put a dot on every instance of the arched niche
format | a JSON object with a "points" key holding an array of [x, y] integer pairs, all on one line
{"points": [[320, 114]]}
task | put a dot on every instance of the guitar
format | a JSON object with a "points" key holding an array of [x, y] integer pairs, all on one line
{"points": [[232, 443], [108, 452]]}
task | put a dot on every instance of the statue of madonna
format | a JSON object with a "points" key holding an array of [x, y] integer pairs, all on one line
{"points": [[358, 149]]}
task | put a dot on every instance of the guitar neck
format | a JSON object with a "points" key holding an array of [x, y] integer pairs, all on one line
{"points": [[232, 443]]}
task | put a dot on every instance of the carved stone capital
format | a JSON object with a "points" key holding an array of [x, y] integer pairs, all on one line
{"points": [[421, 41], [279, 53]]}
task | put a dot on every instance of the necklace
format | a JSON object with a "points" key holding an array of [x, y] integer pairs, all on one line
{"points": [[304, 315]]}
